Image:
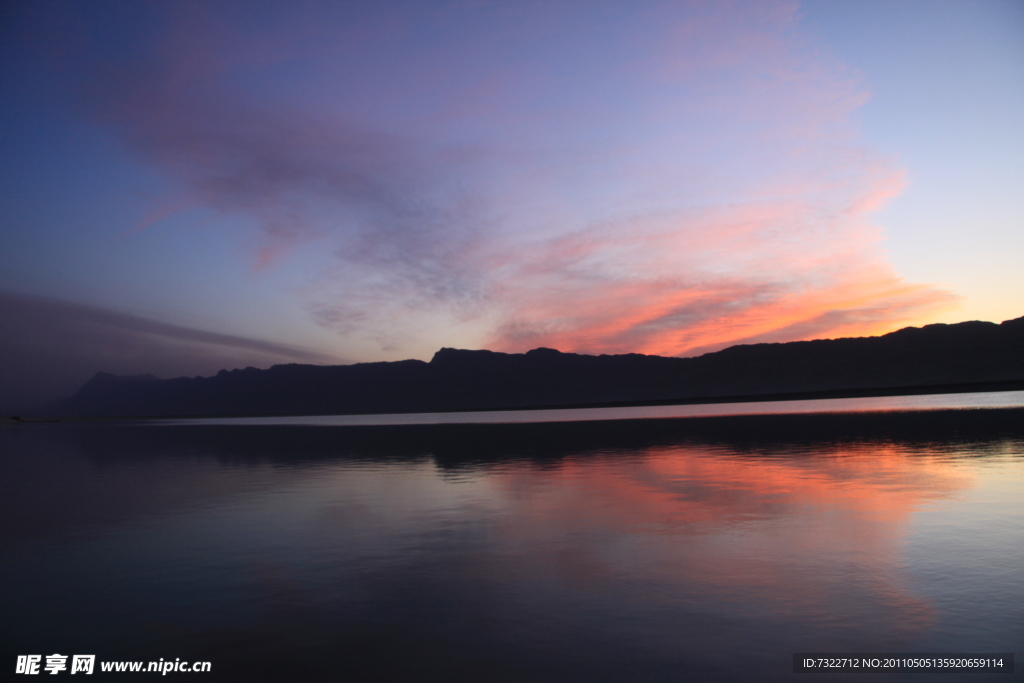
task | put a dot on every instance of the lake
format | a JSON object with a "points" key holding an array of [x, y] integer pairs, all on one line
{"points": [[615, 546]]}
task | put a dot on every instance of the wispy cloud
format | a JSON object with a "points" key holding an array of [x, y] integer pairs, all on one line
{"points": [[668, 179], [691, 282]]}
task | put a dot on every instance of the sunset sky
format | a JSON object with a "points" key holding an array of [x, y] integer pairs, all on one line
{"points": [[194, 185]]}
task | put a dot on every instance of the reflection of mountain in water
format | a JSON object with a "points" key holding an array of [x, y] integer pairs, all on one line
{"points": [[974, 356], [560, 551], [459, 447]]}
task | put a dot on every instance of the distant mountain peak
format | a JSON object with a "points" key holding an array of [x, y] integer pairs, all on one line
{"points": [[920, 359]]}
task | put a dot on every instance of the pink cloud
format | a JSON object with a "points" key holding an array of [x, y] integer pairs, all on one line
{"points": [[773, 272], [669, 493], [669, 179]]}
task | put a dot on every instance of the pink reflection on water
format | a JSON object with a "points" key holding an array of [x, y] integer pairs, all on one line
{"points": [[818, 539]]}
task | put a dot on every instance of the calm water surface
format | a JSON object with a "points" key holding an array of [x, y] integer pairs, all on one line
{"points": [[618, 550], [992, 399]]}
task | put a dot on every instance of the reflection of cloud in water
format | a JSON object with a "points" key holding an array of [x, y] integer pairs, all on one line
{"points": [[556, 552], [818, 538]]}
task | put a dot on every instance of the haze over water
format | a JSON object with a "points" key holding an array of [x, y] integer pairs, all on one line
{"points": [[671, 549]]}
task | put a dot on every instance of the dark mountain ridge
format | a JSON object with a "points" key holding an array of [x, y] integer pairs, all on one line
{"points": [[963, 356]]}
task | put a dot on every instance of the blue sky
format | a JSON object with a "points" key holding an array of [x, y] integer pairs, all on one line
{"points": [[339, 182], [947, 90]]}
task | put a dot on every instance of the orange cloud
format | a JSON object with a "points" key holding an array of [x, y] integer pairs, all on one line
{"points": [[806, 265], [666, 180]]}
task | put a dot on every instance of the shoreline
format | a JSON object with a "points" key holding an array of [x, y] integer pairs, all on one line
{"points": [[919, 390]]}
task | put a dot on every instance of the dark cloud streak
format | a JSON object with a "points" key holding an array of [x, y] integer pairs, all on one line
{"points": [[48, 348], [379, 199]]}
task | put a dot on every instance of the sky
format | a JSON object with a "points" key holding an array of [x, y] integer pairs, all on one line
{"points": [[188, 186]]}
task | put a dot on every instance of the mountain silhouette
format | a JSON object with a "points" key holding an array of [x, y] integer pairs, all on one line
{"points": [[968, 356]]}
